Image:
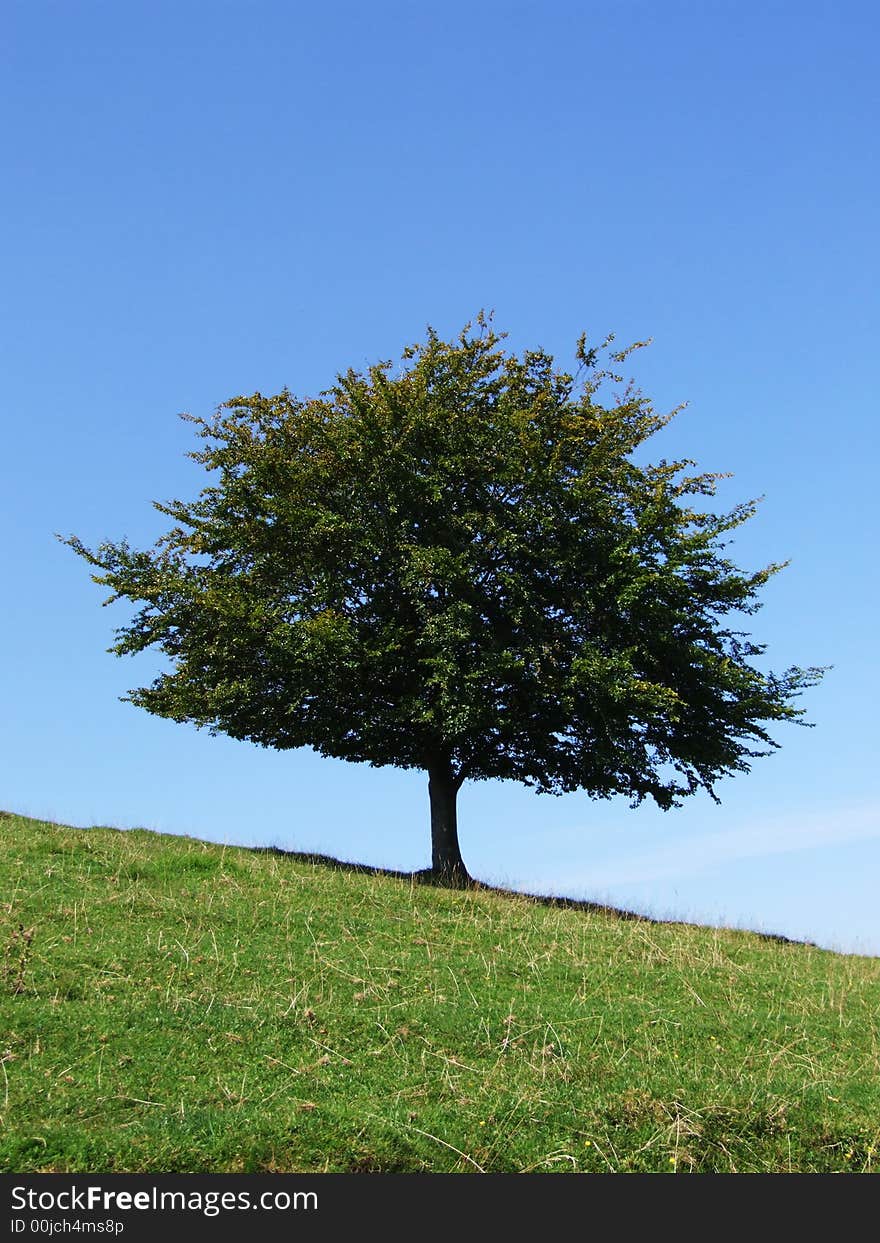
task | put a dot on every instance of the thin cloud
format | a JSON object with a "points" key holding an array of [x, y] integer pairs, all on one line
{"points": [[694, 854]]}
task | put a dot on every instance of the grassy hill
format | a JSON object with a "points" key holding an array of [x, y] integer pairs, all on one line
{"points": [[171, 1005]]}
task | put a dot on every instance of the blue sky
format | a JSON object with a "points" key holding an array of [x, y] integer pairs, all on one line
{"points": [[203, 199]]}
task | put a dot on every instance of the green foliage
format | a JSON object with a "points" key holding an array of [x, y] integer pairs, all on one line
{"points": [[457, 564], [191, 1007]]}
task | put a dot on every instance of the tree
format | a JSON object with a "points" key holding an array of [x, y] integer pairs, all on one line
{"points": [[458, 566]]}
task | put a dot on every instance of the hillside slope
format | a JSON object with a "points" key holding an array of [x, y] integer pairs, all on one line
{"points": [[172, 1005]]}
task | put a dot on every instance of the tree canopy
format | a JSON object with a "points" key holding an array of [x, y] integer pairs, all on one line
{"points": [[456, 564]]}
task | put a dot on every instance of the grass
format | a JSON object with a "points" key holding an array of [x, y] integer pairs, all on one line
{"points": [[187, 1007]]}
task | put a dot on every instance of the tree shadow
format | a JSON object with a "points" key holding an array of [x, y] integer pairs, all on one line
{"points": [[442, 881]]}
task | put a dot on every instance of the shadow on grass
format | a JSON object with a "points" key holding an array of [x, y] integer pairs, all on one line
{"points": [[441, 881]]}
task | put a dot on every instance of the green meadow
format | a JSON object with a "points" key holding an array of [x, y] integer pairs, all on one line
{"points": [[170, 1005]]}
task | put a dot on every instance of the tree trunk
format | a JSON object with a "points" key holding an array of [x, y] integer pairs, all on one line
{"points": [[446, 861]]}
